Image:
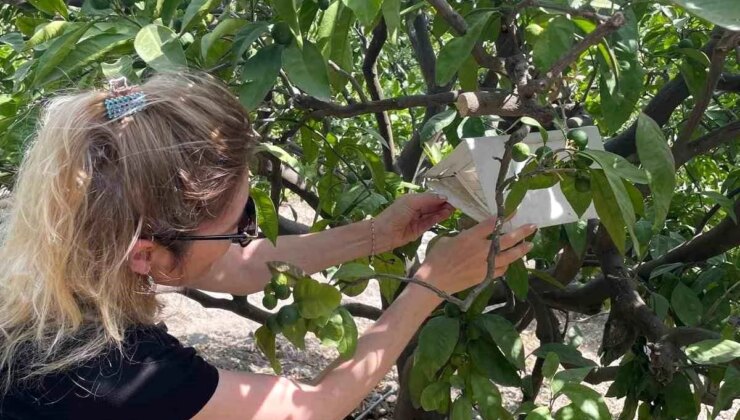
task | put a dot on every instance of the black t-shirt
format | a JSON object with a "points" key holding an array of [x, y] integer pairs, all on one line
{"points": [[157, 378]]}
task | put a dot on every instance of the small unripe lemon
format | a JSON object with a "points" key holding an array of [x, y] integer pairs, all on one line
{"points": [[579, 138], [520, 152]]}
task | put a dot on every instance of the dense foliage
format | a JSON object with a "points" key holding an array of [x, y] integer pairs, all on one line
{"points": [[355, 98]]}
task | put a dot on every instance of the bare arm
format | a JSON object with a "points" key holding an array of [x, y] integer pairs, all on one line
{"points": [[456, 264], [242, 271]]}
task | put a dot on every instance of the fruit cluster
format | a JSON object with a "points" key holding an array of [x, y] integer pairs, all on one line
{"points": [[279, 288]]}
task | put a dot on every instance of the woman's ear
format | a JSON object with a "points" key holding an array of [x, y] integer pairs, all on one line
{"points": [[140, 260]]}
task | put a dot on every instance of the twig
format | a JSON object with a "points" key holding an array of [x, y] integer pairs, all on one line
{"points": [[700, 227], [322, 108], [355, 84], [495, 248], [724, 46], [611, 25], [375, 404]]}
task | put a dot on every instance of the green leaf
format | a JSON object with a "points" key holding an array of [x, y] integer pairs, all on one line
{"points": [[485, 393], [437, 123], [635, 197], [659, 305], [226, 27], [389, 263], [541, 181], [505, 336], [719, 12], [550, 365], [539, 413], [553, 43], [307, 69], [614, 163], [567, 354], [51, 7], [713, 351], [166, 9], [468, 75], [579, 201], [365, 10], [488, 360], [296, 333], [266, 344], [694, 74], [576, 233], [576, 375], [434, 395], [392, 15], [159, 47], [586, 401], [334, 40], [352, 271], [288, 10], [536, 124], [619, 96], [607, 208], [437, 340], [728, 392], [348, 344], [517, 191], [48, 31], [657, 159], [57, 51], [686, 305], [124, 66], [418, 381], [259, 74], [244, 38], [372, 160], [679, 399], [279, 153], [267, 218], [454, 53], [462, 409], [546, 277], [315, 299], [196, 10], [517, 278]]}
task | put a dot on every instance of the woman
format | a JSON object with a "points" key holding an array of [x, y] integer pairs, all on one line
{"points": [[150, 184]]}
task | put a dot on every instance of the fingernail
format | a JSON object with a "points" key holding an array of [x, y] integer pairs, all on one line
{"points": [[529, 246], [532, 228]]}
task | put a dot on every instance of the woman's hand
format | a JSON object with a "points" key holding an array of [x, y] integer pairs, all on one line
{"points": [[409, 217], [457, 263]]}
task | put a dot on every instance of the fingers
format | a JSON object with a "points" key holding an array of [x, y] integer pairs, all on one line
{"points": [[427, 202], [515, 236], [482, 229], [503, 259]]}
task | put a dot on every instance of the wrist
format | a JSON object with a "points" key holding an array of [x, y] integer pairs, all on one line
{"points": [[378, 241]]}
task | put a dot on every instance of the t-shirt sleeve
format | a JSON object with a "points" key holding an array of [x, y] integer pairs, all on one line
{"points": [[162, 379]]}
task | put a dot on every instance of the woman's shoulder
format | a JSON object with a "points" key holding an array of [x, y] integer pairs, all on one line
{"points": [[151, 372]]}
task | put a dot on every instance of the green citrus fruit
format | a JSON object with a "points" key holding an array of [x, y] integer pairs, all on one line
{"points": [[269, 289], [269, 301], [452, 310], [279, 278], [685, 43], [282, 291], [281, 33], [288, 315], [583, 162], [520, 152], [273, 324], [459, 360], [583, 183], [543, 152], [324, 4], [579, 138]]}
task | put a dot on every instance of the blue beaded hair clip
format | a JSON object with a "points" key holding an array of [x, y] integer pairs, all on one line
{"points": [[123, 100]]}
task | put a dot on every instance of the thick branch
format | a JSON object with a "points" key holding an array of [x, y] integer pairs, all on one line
{"points": [[502, 104], [684, 152], [724, 46], [324, 109], [369, 70], [721, 238]]}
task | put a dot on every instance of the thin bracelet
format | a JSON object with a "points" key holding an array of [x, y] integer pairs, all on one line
{"points": [[372, 237]]}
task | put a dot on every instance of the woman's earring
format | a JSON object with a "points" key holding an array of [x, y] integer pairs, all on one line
{"points": [[150, 287]]}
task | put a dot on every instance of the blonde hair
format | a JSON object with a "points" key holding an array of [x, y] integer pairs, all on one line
{"points": [[86, 190]]}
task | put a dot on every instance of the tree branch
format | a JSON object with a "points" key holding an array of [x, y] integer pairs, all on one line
{"points": [[323, 109], [685, 151], [726, 44], [369, 70], [501, 104], [721, 238]]}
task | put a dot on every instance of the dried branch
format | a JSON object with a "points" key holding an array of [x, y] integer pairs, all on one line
{"points": [[369, 70], [727, 43]]}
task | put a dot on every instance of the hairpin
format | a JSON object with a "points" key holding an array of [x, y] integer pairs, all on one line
{"points": [[123, 99]]}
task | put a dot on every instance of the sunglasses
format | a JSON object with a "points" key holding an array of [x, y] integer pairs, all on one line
{"points": [[246, 232]]}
